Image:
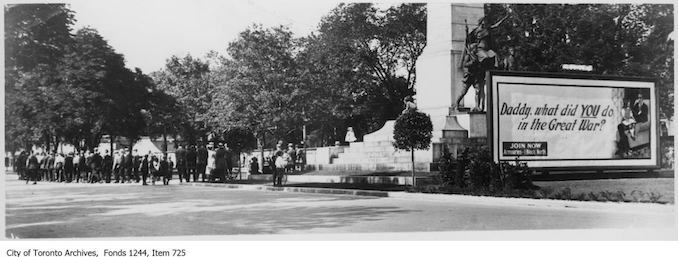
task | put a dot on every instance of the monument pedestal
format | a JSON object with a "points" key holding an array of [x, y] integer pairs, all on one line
{"points": [[461, 130]]}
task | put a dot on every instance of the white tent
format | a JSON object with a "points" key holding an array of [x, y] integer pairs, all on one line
{"points": [[144, 145]]}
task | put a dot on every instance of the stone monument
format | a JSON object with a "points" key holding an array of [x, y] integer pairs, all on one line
{"points": [[439, 85], [440, 76]]}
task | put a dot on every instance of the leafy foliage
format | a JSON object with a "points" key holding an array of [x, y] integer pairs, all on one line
{"points": [[412, 130], [187, 81], [361, 64], [240, 139], [257, 87], [62, 86], [620, 39], [475, 170], [36, 39]]}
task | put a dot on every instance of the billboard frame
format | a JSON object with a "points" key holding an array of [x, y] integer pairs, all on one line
{"points": [[490, 116]]}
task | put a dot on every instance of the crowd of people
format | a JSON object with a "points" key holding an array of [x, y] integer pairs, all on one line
{"points": [[208, 163], [282, 161]]}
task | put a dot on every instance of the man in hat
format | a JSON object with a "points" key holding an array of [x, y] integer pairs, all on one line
{"points": [[33, 166], [107, 166], [221, 163], [126, 165], [69, 167], [181, 164], [201, 162], [191, 162], [96, 164], [136, 165], [292, 153]]}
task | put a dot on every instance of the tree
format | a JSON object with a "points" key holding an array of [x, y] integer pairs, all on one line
{"points": [[240, 139], [622, 39], [362, 64], [103, 95], [36, 38], [188, 80], [412, 131], [258, 86]]}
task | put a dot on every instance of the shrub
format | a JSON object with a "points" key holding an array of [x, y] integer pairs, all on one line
{"points": [[654, 197], [475, 170], [563, 194]]}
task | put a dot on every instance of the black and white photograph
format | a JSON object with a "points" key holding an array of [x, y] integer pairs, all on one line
{"points": [[324, 120]]}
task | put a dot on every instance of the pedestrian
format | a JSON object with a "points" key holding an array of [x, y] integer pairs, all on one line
{"points": [[211, 163], [20, 164], [69, 167], [181, 164], [33, 166], [191, 163], [254, 165], [201, 162], [107, 166], [136, 165], [96, 164], [17, 166], [228, 157], [59, 167], [292, 156], [154, 168], [144, 167], [80, 167], [51, 176], [280, 165], [221, 163], [301, 157], [42, 161], [117, 167], [165, 171]]}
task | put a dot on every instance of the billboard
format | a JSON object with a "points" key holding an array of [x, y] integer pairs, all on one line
{"points": [[564, 121]]}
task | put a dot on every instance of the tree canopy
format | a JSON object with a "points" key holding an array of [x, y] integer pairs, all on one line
{"points": [[64, 87], [619, 39], [353, 71]]}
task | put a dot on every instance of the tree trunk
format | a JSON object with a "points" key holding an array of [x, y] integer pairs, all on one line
{"points": [[164, 143], [61, 148], [239, 166], [111, 143], [413, 180], [261, 161]]}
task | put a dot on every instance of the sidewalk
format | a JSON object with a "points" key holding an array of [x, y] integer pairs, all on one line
{"points": [[482, 200]]}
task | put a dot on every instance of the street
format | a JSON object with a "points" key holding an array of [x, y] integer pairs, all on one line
{"points": [[59, 210]]}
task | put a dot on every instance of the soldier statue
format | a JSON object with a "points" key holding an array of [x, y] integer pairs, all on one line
{"points": [[477, 58]]}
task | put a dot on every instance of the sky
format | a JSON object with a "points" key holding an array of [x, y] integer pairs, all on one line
{"points": [[148, 32]]}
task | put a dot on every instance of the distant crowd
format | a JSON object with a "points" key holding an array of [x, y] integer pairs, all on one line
{"points": [[282, 161], [207, 163]]}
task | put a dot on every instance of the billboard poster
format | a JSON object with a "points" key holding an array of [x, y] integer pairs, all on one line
{"points": [[564, 121]]}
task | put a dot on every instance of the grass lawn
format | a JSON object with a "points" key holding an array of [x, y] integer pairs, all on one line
{"points": [[663, 186]]}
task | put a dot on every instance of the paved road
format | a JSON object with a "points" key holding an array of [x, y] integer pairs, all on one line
{"points": [[54, 210]]}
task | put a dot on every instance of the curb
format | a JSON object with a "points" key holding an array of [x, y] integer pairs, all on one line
{"points": [[312, 190], [466, 199]]}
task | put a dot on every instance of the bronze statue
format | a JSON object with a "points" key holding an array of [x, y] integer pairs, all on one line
{"points": [[477, 58]]}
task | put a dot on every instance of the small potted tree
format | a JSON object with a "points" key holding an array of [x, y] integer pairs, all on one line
{"points": [[412, 131]]}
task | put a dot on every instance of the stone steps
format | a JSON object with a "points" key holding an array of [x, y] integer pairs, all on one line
{"points": [[388, 143], [384, 160], [361, 168]]}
